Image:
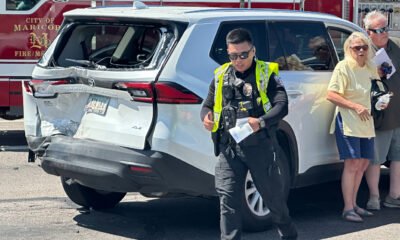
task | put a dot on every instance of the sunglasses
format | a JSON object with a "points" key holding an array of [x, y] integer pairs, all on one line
{"points": [[242, 55], [379, 30], [358, 48], [322, 48]]}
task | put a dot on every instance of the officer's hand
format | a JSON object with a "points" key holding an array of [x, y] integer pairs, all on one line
{"points": [[208, 121], [254, 124]]}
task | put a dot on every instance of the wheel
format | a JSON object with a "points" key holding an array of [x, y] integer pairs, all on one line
{"points": [[255, 213], [11, 117], [89, 197]]}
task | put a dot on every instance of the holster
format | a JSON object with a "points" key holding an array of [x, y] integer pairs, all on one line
{"points": [[216, 138]]}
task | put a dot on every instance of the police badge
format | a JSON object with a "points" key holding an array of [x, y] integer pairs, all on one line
{"points": [[247, 89]]}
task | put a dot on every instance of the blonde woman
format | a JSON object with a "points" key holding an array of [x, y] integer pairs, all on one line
{"points": [[353, 126]]}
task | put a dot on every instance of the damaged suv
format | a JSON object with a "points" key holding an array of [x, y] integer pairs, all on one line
{"points": [[113, 105]]}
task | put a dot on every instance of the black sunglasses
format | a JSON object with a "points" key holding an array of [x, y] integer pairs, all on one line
{"points": [[322, 48], [358, 48], [379, 30], [242, 55]]}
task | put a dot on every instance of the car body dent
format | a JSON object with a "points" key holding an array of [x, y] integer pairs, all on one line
{"points": [[120, 123]]}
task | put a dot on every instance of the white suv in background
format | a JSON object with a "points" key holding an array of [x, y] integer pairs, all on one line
{"points": [[113, 106]]}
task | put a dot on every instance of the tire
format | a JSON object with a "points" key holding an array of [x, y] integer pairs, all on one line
{"points": [[257, 219], [89, 197], [10, 117]]}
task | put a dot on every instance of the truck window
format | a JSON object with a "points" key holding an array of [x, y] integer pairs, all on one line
{"points": [[299, 46], [21, 5]]}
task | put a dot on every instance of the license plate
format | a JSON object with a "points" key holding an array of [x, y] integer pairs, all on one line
{"points": [[97, 104]]}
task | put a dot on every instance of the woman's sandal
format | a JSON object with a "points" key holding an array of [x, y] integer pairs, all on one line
{"points": [[362, 212], [351, 216]]}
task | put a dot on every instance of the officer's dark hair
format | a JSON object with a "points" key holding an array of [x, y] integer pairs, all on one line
{"points": [[239, 35]]}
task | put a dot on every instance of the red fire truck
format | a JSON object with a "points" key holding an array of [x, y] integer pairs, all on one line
{"points": [[26, 30], [28, 27]]}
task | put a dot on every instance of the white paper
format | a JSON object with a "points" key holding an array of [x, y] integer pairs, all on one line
{"points": [[241, 130], [381, 57]]}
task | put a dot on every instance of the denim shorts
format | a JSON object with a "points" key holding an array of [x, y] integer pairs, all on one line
{"points": [[352, 147], [387, 146]]}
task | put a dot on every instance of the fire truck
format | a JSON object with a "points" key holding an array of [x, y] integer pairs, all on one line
{"points": [[28, 27]]}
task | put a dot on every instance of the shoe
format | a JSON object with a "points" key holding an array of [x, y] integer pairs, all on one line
{"points": [[352, 216], [391, 202], [374, 204], [362, 212], [287, 231]]}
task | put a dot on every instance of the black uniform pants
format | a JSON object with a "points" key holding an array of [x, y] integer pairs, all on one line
{"points": [[230, 172]]}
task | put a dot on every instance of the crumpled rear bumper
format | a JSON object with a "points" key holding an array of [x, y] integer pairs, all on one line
{"points": [[119, 169]]}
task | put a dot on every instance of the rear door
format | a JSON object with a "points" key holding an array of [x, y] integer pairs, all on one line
{"points": [[306, 58], [97, 80]]}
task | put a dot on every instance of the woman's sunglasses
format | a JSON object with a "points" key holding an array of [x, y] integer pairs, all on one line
{"points": [[358, 48], [379, 30], [242, 55]]}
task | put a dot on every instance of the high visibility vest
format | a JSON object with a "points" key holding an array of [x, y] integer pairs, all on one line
{"points": [[263, 73]]}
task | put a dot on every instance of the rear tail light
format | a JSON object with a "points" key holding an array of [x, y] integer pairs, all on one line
{"points": [[42, 88], [140, 92], [168, 92], [163, 92], [28, 88], [141, 169]]}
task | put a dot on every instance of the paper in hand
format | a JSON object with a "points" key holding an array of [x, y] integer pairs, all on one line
{"points": [[241, 130], [381, 57]]}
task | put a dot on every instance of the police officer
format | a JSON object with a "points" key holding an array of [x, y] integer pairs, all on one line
{"points": [[247, 88]]}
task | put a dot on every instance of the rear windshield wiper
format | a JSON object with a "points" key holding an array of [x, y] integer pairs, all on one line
{"points": [[87, 63]]}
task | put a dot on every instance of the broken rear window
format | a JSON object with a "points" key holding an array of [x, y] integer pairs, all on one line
{"points": [[112, 46]]}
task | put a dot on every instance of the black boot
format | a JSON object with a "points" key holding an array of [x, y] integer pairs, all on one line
{"points": [[287, 231]]}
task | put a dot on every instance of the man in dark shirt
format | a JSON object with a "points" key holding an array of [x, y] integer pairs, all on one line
{"points": [[250, 90], [387, 140]]}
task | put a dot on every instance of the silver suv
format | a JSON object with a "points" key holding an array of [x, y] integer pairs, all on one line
{"points": [[113, 106]]}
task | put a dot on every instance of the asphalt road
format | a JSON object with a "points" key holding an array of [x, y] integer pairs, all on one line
{"points": [[34, 206]]}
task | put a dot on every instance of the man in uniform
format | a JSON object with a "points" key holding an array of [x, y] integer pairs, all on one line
{"points": [[247, 89]]}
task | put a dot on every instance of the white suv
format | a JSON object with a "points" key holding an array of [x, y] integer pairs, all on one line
{"points": [[113, 106]]}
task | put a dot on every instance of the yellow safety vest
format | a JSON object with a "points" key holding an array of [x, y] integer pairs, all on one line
{"points": [[263, 73]]}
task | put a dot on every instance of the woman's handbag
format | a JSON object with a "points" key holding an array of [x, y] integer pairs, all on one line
{"points": [[379, 93]]}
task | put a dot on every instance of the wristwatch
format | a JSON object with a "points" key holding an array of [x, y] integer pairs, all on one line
{"points": [[261, 122]]}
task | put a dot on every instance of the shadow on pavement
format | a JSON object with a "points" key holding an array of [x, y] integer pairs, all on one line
{"points": [[316, 211], [182, 218]]}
